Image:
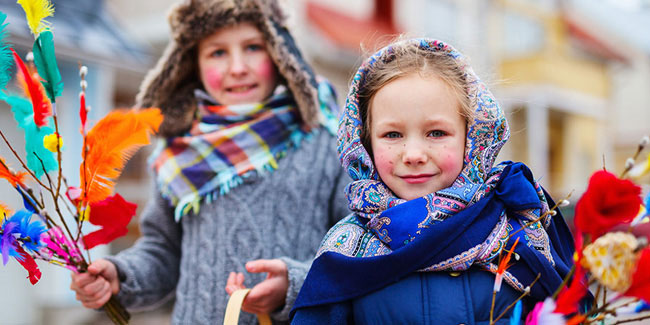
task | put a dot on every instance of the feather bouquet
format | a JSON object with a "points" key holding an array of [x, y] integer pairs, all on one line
{"points": [[612, 256], [38, 230]]}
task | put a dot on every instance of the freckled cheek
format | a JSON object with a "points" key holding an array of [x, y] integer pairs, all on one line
{"points": [[212, 78], [383, 160]]}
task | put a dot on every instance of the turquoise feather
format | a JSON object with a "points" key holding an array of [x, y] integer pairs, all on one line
{"points": [[6, 59], [515, 319], [45, 61], [22, 109]]}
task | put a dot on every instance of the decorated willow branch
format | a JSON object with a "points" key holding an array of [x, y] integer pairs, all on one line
{"points": [[43, 231]]}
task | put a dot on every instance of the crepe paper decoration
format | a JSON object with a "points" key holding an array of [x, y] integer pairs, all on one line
{"points": [[45, 61], [113, 214], [41, 107], [109, 144], [6, 58], [34, 135], [612, 259], [36, 11]]}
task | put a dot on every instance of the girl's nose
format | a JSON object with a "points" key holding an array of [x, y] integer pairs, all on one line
{"points": [[414, 154]]}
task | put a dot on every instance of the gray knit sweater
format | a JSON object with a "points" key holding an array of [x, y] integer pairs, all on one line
{"points": [[283, 214]]}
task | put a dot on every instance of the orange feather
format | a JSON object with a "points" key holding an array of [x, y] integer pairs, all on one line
{"points": [[13, 178], [109, 144]]}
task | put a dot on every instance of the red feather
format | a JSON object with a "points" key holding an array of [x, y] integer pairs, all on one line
{"points": [[83, 113], [109, 145], [29, 264], [40, 104], [113, 214], [640, 287], [569, 298]]}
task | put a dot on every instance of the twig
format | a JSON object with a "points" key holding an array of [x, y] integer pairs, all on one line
{"points": [[21, 161], [564, 282], [632, 319], [540, 217], [629, 167], [516, 300]]}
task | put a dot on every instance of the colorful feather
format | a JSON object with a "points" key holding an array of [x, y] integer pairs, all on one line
{"points": [[45, 61], [109, 145], [27, 261], [40, 105], [503, 266], [83, 111], [6, 58], [640, 287], [36, 11], [515, 319], [13, 178], [113, 214], [34, 135], [59, 246]]}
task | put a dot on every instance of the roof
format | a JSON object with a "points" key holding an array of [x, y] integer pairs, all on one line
{"points": [[82, 29]]}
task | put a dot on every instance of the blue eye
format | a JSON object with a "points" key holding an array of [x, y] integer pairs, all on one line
{"points": [[218, 53], [437, 133], [254, 47], [392, 135]]}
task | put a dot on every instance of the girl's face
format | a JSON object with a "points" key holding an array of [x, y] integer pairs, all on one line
{"points": [[417, 135], [235, 67]]}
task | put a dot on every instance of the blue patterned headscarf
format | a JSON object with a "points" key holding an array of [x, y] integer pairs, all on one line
{"points": [[467, 224]]}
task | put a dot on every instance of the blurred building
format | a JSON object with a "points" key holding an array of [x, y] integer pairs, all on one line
{"points": [[573, 85]]}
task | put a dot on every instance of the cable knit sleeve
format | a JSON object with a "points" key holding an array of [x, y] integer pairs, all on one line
{"points": [[149, 270], [297, 272]]}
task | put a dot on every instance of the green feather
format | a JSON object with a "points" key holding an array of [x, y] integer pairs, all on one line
{"points": [[6, 59], [45, 61], [34, 135]]}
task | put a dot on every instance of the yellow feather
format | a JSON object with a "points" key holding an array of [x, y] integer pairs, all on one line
{"points": [[36, 11]]}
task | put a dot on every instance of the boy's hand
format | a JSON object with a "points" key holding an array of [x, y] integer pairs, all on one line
{"points": [[266, 296], [96, 286]]}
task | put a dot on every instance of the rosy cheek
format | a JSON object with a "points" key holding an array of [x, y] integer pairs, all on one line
{"points": [[383, 161], [265, 69], [213, 78]]}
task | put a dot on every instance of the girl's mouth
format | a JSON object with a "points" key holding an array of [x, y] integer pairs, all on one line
{"points": [[416, 179]]}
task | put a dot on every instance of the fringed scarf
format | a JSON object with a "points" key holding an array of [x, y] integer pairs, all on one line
{"points": [[228, 143], [469, 223]]}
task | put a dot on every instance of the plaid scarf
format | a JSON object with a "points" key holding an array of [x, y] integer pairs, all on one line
{"points": [[228, 143]]}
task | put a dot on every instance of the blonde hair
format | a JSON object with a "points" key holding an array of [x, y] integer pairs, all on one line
{"points": [[405, 59]]}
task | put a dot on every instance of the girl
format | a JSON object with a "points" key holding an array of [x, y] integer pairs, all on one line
{"points": [[246, 170], [431, 212]]}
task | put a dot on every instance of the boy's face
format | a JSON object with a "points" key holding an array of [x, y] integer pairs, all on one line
{"points": [[235, 67], [417, 135]]}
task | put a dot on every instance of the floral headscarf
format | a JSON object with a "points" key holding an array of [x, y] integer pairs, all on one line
{"points": [[467, 224]]}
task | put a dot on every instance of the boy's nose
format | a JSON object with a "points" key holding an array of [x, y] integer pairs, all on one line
{"points": [[238, 65]]}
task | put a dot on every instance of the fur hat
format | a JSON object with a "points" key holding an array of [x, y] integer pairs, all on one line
{"points": [[170, 84]]}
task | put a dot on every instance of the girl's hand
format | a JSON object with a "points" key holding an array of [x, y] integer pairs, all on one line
{"points": [[266, 296], [96, 286]]}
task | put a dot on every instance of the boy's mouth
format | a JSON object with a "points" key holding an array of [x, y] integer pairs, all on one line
{"points": [[240, 89]]}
